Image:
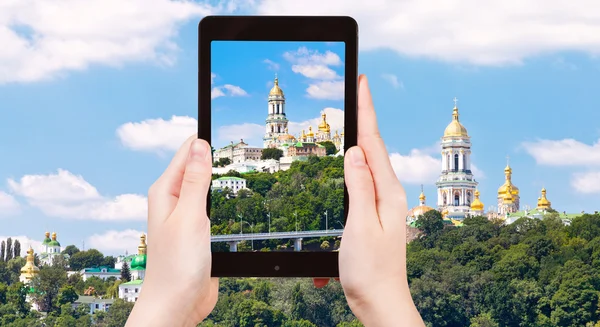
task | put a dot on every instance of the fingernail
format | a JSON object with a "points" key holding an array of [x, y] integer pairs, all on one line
{"points": [[357, 156], [198, 150]]}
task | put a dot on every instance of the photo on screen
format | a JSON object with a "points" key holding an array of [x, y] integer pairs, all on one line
{"points": [[278, 146]]}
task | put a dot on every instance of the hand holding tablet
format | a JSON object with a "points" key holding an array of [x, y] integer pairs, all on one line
{"points": [[372, 261]]}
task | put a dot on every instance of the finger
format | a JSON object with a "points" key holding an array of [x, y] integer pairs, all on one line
{"points": [[389, 193], [320, 282], [361, 192], [196, 181], [163, 194]]}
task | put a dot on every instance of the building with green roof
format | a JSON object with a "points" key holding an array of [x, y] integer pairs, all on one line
{"points": [[51, 249], [130, 291]]}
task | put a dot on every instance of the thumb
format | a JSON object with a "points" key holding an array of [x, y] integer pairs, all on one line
{"points": [[196, 179], [361, 189]]}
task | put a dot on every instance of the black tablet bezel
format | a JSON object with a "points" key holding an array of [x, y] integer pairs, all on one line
{"points": [[278, 28]]}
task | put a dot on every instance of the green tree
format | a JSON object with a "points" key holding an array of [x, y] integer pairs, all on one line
{"points": [[125, 273], [262, 292], [3, 251], [91, 258], [431, 223], [17, 249], [484, 320], [271, 153], [47, 285], [9, 249], [118, 313], [67, 295], [70, 250], [329, 147], [353, 323], [298, 303]]}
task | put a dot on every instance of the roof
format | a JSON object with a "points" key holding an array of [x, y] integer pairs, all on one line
{"points": [[133, 282], [87, 299], [229, 178], [99, 270]]}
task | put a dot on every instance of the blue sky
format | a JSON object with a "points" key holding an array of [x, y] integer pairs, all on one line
{"points": [[87, 126]]}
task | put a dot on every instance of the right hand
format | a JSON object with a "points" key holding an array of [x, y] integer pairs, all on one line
{"points": [[372, 256]]}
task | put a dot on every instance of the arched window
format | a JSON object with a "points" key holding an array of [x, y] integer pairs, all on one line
{"points": [[445, 199], [455, 162], [278, 108], [469, 198], [456, 199]]}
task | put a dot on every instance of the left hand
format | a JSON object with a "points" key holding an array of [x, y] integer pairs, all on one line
{"points": [[177, 288]]}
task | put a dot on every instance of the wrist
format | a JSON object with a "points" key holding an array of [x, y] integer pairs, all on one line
{"points": [[389, 310], [159, 311]]}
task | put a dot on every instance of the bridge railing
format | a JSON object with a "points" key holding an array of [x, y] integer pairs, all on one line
{"points": [[276, 235]]}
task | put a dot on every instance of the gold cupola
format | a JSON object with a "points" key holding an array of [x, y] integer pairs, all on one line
{"points": [[455, 128], [310, 132], [543, 202], [509, 195], [477, 205], [421, 208], [324, 126], [276, 90], [29, 270], [507, 183], [142, 247]]}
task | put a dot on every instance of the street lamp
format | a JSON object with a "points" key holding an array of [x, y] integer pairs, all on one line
{"points": [[296, 220], [269, 216], [241, 224], [251, 235], [326, 220]]}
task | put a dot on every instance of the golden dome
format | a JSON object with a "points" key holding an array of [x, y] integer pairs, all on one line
{"points": [[455, 128], [47, 234], [421, 208], [54, 236], [324, 127], [276, 90], [29, 270], [477, 205], [310, 132], [507, 182], [509, 195], [444, 213], [142, 247], [543, 202]]}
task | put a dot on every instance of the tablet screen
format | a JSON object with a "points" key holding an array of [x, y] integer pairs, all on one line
{"points": [[277, 115]]}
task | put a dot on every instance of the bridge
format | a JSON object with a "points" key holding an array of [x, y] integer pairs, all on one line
{"points": [[234, 239]]}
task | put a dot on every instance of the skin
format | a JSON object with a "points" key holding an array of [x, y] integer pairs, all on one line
{"points": [[178, 289]]}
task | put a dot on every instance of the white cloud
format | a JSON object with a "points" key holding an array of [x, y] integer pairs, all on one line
{"points": [[26, 242], [420, 166], [588, 182], [8, 205], [225, 90], [321, 72], [45, 39], [325, 82], [271, 64], [393, 80], [66, 195], [304, 56], [566, 152], [116, 242], [331, 90], [335, 119], [157, 135], [234, 91], [499, 32]]}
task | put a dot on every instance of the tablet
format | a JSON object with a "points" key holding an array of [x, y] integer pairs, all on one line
{"points": [[277, 101]]}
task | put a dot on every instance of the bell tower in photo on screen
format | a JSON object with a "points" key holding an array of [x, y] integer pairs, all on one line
{"points": [[456, 185], [277, 122]]}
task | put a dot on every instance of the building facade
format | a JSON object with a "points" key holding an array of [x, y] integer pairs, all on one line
{"points": [[233, 183]]}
